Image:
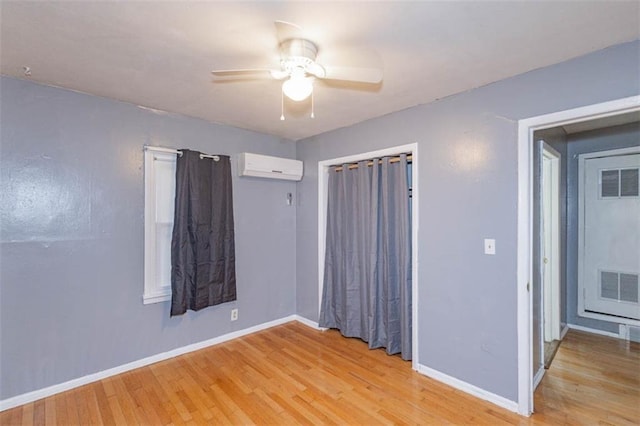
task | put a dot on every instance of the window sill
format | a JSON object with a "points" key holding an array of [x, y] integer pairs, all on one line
{"points": [[148, 299]]}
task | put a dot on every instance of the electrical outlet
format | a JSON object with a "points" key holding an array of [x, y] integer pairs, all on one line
{"points": [[489, 246], [234, 314]]}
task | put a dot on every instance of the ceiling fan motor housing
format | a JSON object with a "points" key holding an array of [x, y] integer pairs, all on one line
{"points": [[297, 53]]}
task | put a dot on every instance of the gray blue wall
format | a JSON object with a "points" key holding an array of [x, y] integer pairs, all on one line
{"points": [[580, 143], [71, 272], [468, 192], [71, 206]]}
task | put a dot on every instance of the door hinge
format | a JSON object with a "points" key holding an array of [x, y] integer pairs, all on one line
{"points": [[527, 286]]}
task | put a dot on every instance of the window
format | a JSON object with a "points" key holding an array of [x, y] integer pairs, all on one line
{"points": [[159, 194]]}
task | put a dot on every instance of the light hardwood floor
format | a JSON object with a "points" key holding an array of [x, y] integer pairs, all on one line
{"points": [[292, 374]]}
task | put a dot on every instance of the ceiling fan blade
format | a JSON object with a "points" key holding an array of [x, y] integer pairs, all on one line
{"points": [[361, 75], [287, 30], [241, 72], [251, 72]]}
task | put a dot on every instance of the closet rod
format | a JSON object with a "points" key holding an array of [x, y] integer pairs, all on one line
{"points": [[370, 163], [178, 152]]}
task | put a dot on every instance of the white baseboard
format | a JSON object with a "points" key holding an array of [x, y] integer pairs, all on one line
{"points": [[309, 323], [468, 388], [564, 331], [593, 330], [90, 378], [538, 377]]}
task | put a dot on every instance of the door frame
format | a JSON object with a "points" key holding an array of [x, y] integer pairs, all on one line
{"points": [[323, 181], [551, 291], [581, 165], [526, 127]]}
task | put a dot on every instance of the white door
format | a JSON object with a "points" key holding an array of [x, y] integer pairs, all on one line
{"points": [[550, 199], [611, 235]]}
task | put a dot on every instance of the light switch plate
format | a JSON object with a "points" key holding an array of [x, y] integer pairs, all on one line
{"points": [[489, 246]]}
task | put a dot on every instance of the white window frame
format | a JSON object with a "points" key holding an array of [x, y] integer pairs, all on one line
{"points": [[154, 290]]}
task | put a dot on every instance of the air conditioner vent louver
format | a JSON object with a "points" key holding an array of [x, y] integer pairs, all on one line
{"points": [[629, 182], [619, 286], [610, 183]]}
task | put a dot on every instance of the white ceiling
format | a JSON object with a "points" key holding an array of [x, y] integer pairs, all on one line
{"points": [[160, 54]]}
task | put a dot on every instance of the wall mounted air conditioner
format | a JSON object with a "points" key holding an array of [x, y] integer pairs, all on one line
{"points": [[266, 166]]}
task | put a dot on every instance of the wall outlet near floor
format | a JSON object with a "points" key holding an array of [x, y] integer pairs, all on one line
{"points": [[234, 314]]}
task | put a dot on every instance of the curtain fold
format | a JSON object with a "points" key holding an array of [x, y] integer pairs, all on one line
{"points": [[203, 241], [367, 274]]}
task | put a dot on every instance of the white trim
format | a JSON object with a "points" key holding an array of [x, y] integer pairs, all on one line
{"points": [[564, 331], [153, 291], [468, 388], [609, 153], [323, 179], [581, 218], [526, 127], [555, 243], [149, 298], [90, 378], [308, 323], [594, 331], [524, 269], [551, 316], [538, 377]]}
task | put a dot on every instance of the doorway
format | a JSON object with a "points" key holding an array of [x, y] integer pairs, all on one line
{"points": [[609, 111]]}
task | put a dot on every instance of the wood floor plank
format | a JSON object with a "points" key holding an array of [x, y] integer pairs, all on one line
{"points": [[12, 416], [292, 374], [39, 411], [49, 411], [27, 414]]}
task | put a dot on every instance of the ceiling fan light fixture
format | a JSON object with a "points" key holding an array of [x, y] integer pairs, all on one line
{"points": [[297, 88]]}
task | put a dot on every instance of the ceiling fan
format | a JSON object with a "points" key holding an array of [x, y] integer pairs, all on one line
{"points": [[299, 69]]}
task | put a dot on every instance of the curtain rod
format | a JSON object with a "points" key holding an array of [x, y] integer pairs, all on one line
{"points": [[370, 163], [178, 152]]}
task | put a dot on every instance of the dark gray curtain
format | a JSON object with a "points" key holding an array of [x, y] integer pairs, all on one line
{"points": [[203, 271], [367, 273]]}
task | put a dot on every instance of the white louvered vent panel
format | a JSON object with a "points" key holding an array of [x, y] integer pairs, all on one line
{"points": [[609, 285], [629, 288], [610, 183], [620, 286], [629, 182]]}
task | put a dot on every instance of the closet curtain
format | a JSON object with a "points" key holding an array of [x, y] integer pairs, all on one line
{"points": [[203, 271], [367, 272]]}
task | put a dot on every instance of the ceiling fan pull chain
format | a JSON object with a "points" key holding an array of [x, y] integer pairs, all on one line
{"points": [[281, 105], [312, 114]]}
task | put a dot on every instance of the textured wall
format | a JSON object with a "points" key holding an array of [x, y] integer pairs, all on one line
{"points": [[71, 206], [71, 272], [468, 192], [580, 143]]}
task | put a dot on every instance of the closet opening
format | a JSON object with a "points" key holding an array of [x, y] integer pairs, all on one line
{"points": [[367, 207]]}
